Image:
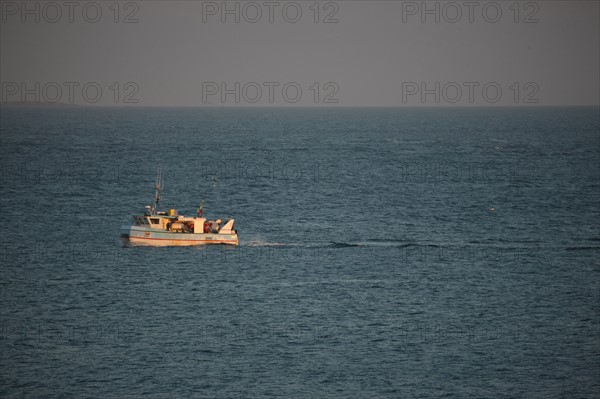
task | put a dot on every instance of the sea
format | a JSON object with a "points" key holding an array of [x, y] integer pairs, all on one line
{"points": [[384, 253]]}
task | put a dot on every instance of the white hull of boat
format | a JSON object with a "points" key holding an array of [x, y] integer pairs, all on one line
{"points": [[139, 236]]}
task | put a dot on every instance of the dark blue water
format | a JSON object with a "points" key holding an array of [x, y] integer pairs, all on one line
{"points": [[410, 253]]}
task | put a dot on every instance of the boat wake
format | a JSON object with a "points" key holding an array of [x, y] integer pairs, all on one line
{"points": [[330, 244], [400, 243], [265, 244], [380, 243]]}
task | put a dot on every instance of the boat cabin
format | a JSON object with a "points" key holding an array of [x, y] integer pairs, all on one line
{"points": [[181, 224]]}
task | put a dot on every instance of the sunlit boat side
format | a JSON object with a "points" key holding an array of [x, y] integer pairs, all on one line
{"points": [[162, 229]]}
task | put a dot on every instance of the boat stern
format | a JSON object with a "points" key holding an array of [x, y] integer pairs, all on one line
{"points": [[125, 234]]}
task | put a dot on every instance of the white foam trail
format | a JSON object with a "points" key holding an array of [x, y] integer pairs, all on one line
{"points": [[263, 244]]}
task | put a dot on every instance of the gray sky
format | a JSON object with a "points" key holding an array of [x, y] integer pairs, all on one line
{"points": [[371, 53]]}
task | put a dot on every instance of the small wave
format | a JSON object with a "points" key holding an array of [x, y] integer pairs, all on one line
{"points": [[503, 241], [387, 240], [372, 282], [398, 243], [379, 243], [342, 245], [581, 248]]}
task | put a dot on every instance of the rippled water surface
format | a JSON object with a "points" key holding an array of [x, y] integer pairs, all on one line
{"points": [[410, 253]]}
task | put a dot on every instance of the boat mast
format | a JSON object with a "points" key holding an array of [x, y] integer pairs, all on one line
{"points": [[158, 187], [200, 211]]}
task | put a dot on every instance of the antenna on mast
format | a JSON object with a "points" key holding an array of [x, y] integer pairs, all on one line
{"points": [[158, 186]]}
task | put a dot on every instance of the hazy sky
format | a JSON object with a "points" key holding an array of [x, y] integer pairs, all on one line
{"points": [[303, 53]]}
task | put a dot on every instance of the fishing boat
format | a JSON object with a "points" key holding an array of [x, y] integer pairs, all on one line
{"points": [[168, 228]]}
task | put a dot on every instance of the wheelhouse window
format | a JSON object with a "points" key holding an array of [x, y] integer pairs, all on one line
{"points": [[154, 221]]}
